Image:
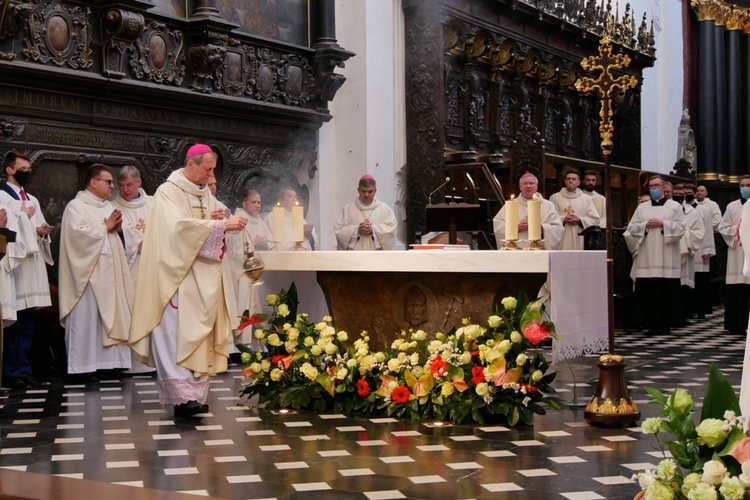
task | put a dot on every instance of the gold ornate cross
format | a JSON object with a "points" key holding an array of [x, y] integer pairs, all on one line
{"points": [[606, 86], [569, 210], [141, 226]]}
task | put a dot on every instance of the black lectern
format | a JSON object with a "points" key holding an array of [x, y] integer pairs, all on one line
{"points": [[453, 217]]}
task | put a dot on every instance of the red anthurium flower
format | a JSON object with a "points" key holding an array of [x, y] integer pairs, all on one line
{"points": [[438, 366], [401, 395], [247, 320], [477, 375], [247, 372], [741, 451], [535, 332], [529, 388], [284, 360], [363, 388]]}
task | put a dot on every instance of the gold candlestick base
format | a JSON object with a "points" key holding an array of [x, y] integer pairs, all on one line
{"points": [[535, 245], [510, 245], [298, 246]]}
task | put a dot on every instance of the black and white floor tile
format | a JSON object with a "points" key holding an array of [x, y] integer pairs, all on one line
{"points": [[116, 432]]}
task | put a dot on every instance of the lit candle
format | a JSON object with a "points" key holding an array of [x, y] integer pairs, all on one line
{"points": [[298, 224], [278, 223], [535, 218], [511, 219]]}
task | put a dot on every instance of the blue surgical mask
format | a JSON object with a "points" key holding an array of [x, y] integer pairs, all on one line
{"points": [[655, 194], [745, 192]]}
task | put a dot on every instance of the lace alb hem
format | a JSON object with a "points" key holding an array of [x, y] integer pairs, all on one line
{"points": [[213, 247], [178, 391], [562, 352]]}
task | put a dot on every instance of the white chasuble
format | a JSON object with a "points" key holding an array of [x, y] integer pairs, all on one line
{"points": [[735, 253], [383, 222], [134, 217], [708, 246], [580, 205], [30, 275], [690, 243], [552, 227], [95, 288], [178, 255], [658, 247], [744, 234], [600, 204]]}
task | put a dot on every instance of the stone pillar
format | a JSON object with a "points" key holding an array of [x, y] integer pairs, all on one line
{"points": [[205, 8], [323, 19]]}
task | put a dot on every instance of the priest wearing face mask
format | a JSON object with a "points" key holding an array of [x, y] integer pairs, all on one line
{"points": [[737, 295], [29, 273], [656, 229]]}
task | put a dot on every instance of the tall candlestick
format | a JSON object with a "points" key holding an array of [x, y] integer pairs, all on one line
{"points": [[535, 219], [511, 219], [298, 224], [278, 223]]}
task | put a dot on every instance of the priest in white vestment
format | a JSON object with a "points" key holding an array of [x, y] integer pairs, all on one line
{"points": [[367, 223], [29, 275], [737, 289], [95, 288], [690, 244], [184, 295], [255, 236], [134, 204], [576, 211], [600, 202], [701, 297], [288, 199], [552, 227], [701, 196], [656, 229]]}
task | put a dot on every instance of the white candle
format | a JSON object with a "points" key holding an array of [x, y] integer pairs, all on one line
{"points": [[511, 219], [278, 223], [298, 225], [535, 219]]}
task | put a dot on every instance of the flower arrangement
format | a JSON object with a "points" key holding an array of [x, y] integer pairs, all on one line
{"points": [[476, 372], [714, 454]]}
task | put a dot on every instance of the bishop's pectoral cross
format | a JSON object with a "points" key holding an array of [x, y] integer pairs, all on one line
{"points": [[569, 210], [201, 207], [141, 226]]}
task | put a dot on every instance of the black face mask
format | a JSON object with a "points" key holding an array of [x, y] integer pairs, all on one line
{"points": [[678, 199], [22, 177], [689, 198]]}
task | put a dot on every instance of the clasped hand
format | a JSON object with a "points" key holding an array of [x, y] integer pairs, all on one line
{"points": [[654, 222], [365, 227], [114, 221]]}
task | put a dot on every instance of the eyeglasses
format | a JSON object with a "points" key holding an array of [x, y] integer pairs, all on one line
{"points": [[108, 181]]}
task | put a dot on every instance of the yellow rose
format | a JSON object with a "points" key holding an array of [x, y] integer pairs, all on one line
{"points": [[265, 365], [465, 358], [309, 341], [494, 321], [342, 336], [276, 374], [272, 299], [260, 334], [283, 310], [509, 303], [521, 359], [482, 389], [351, 363], [537, 375], [273, 340], [380, 356], [331, 349], [394, 364], [515, 337], [316, 350], [245, 357], [419, 335], [447, 389]]}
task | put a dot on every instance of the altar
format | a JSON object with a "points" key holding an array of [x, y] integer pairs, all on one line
{"points": [[433, 290]]}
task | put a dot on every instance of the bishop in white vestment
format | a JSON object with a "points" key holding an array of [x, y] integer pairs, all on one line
{"points": [[737, 290], [95, 288], [184, 294], [366, 223], [576, 211], [656, 229]]}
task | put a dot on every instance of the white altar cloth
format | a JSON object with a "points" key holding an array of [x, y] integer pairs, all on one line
{"points": [[576, 283]]}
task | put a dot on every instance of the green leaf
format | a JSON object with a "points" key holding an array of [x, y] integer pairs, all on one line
{"points": [[658, 396], [720, 396]]}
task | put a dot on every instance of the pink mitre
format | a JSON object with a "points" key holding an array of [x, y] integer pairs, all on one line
{"points": [[198, 149], [367, 177]]}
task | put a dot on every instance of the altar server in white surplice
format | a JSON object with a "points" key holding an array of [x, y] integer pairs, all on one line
{"points": [[737, 289], [96, 289], [552, 227], [184, 294], [701, 196], [134, 203], [700, 297], [367, 223], [12, 258], [576, 211], [29, 273], [600, 202], [255, 236], [287, 198], [742, 238], [690, 244], [657, 228]]}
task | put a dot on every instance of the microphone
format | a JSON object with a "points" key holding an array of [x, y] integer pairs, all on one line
{"points": [[447, 180]]}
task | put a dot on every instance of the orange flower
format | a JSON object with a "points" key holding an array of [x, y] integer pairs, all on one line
{"points": [[401, 395], [741, 451], [535, 332], [438, 366], [363, 388]]}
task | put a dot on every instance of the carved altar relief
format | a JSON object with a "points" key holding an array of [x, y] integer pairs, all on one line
{"points": [[60, 34], [159, 55]]}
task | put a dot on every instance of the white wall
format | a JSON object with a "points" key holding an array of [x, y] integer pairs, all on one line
{"points": [[367, 132]]}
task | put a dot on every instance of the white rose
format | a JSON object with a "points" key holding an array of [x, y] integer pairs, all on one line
{"points": [[259, 334], [482, 389], [447, 389], [419, 335], [316, 350], [293, 333], [342, 336], [465, 358], [329, 331], [327, 319], [645, 479], [414, 358], [537, 375], [276, 374], [504, 346], [245, 357], [331, 349], [265, 365], [362, 352], [494, 321], [521, 359], [320, 326], [396, 344], [380, 356], [341, 373], [290, 345], [491, 355], [283, 310], [273, 340], [515, 337], [351, 363], [256, 367], [714, 472], [286, 326], [272, 299], [309, 341], [394, 364]]}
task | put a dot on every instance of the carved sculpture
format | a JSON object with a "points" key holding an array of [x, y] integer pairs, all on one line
{"points": [[122, 28]]}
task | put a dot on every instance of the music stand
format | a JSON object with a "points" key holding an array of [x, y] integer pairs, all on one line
{"points": [[451, 217]]}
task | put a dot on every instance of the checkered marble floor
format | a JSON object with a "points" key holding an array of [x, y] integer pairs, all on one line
{"points": [[116, 432]]}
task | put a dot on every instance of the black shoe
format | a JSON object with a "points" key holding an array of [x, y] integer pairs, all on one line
{"points": [[31, 381], [15, 383], [189, 409]]}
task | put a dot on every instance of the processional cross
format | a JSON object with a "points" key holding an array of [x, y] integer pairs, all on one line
{"points": [[611, 404]]}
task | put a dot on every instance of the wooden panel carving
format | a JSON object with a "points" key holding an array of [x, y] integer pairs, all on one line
{"points": [[159, 57], [60, 34]]}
